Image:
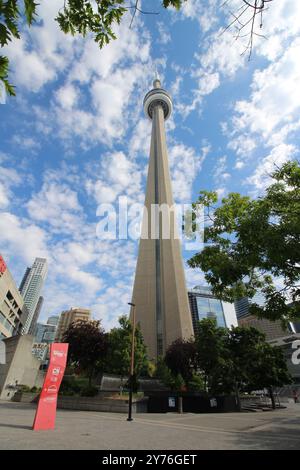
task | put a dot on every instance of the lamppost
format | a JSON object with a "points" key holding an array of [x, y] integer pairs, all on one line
{"points": [[132, 361]]}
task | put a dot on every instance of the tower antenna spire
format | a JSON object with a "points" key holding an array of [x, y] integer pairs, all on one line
{"points": [[156, 81]]}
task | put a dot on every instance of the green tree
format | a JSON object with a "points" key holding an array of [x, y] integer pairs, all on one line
{"points": [[211, 354], [255, 242], [119, 350], [254, 363], [244, 347], [180, 358], [238, 359], [87, 346], [171, 379], [269, 370]]}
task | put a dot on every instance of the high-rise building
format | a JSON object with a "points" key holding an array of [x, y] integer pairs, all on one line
{"points": [[39, 332], [36, 315], [44, 335], [70, 316], [272, 329], [13, 312], [242, 305], [31, 287], [159, 292], [53, 320], [204, 304]]}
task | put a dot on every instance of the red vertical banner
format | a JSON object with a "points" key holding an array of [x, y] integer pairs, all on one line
{"points": [[46, 410], [2, 265]]}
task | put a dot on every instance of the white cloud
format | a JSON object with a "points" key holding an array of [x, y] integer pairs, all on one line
{"points": [[239, 165], [275, 98], [116, 175], [220, 170], [27, 143], [279, 155], [163, 34], [42, 51], [9, 178], [67, 96], [269, 119], [57, 205], [185, 163], [139, 146], [4, 201], [22, 238], [132, 47], [204, 13]]}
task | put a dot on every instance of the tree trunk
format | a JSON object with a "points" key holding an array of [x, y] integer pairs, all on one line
{"points": [[90, 377], [272, 398], [237, 397]]}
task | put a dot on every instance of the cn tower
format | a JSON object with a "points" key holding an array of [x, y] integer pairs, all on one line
{"points": [[159, 292]]}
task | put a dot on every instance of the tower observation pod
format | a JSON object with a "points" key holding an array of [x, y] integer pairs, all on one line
{"points": [[159, 291]]}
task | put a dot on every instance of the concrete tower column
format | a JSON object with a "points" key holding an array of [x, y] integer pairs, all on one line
{"points": [[159, 292]]}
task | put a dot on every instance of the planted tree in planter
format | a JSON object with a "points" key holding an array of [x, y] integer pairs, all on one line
{"points": [[269, 370], [180, 358], [119, 351], [212, 358], [87, 346]]}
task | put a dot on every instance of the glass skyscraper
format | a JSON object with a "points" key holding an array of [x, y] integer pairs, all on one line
{"points": [[204, 304], [31, 287]]}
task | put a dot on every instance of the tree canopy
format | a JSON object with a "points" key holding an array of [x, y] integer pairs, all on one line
{"points": [[87, 346], [225, 361], [253, 245], [119, 350], [180, 358]]}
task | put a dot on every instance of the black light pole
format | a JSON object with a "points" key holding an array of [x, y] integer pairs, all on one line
{"points": [[131, 362]]}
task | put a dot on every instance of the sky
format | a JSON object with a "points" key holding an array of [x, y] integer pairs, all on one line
{"points": [[75, 136]]}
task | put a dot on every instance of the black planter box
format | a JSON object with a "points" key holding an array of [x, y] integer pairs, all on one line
{"points": [[166, 402]]}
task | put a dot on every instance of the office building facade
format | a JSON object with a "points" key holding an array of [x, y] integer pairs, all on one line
{"points": [[44, 335], [36, 315], [271, 329], [13, 312], [204, 304], [70, 316], [31, 287]]}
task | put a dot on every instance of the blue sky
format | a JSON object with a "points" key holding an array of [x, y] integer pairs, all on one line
{"points": [[75, 136]]}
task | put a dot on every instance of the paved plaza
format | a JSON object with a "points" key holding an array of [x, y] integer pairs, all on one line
{"points": [[278, 429]]}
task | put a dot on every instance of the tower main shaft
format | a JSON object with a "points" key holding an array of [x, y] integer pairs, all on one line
{"points": [[159, 292]]}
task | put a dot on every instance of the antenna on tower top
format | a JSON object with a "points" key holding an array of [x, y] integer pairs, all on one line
{"points": [[156, 81]]}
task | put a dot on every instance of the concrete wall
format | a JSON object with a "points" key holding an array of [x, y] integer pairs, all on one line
{"points": [[21, 366], [90, 403], [11, 310]]}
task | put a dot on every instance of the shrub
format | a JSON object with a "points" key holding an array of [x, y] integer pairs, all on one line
{"points": [[89, 392], [196, 384], [24, 388]]}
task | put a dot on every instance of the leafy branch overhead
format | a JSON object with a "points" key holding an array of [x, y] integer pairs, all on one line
{"points": [[9, 16], [99, 17], [76, 17]]}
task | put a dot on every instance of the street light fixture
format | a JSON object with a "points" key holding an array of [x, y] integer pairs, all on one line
{"points": [[132, 361]]}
